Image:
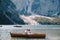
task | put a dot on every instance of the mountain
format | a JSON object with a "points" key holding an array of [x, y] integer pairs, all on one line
{"points": [[29, 20], [49, 8], [8, 13], [11, 11], [38, 19]]}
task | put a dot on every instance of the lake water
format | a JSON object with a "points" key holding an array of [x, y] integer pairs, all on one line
{"points": [[52, 31]]}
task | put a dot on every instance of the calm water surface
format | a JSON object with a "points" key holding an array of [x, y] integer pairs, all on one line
{"points": [[52, 31]]}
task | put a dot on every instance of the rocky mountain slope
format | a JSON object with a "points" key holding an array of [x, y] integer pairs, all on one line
{"points": [[11, 11]]}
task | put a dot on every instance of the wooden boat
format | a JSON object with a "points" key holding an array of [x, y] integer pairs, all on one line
{"points": [[17, 26], [28, 36]]}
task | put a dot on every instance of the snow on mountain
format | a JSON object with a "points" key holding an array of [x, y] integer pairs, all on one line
{"points": [[37, 19], [29, 20], [49, 8], [12, 9], [40, 7]]}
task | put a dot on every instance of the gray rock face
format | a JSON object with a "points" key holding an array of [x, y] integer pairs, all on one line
{"points": [[10, 10], [40, 7], [48, 7], [8, 13]]}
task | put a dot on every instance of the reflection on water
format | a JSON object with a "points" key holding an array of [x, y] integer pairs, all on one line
{"points": [[25, 39]]}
